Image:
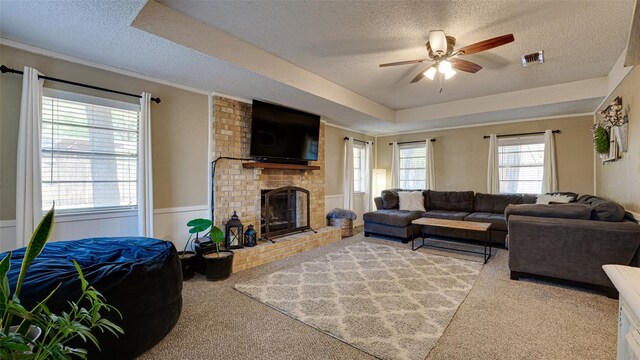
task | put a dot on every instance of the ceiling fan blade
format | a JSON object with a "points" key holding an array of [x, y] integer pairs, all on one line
{"points": [[466, 66], [420, 75], [419, 61], [486, 44]]}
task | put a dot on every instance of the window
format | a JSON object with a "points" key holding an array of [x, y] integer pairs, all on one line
{"points": [[89, 153], [358, 167], [413, 163], [521, 163]]}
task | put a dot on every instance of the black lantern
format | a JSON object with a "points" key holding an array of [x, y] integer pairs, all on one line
{"points": [[233, 233], [250, 237]]}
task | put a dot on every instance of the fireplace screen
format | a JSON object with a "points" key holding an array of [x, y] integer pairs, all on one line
{"points": [[283, 211]]}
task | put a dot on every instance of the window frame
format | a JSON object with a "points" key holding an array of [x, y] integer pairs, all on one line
{"points": [[360, 170], [401, 147], [520, 141], [93, 212]]}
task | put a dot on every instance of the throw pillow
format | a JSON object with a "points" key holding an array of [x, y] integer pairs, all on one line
{"points": [[411, 200], [389, 199], [556, 199]]}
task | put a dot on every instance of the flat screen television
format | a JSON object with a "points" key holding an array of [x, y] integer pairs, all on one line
{"points": [[281, 134]]}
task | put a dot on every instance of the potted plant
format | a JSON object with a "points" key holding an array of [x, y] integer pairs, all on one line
{"points": [[38, 333], [219, 263], [201, 244], [188, 259]]}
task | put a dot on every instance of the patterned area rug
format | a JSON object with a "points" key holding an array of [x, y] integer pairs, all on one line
{"points": [[391, 303]]}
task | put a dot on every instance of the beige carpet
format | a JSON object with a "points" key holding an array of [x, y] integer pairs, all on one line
{"points": [[389, 302], [499, 319]]}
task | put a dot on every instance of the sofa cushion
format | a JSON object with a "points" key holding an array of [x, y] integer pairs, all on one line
{"points": [[529, 198], [603, 210], [390, 199], [411, 201], [451, 200], [563, 211], [425, 195], [497, 220], [446, 214], [393, 217], [492, 203]]}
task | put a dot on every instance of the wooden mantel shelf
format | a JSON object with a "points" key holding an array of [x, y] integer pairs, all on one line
{"points": [[264, 165]]}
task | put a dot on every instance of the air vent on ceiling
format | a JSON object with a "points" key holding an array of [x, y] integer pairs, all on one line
{"points": [[533, 58]]}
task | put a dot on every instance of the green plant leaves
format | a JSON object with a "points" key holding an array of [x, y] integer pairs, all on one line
{"points": [[199, 225], [216, 235], [601, 140], [36, 244]]}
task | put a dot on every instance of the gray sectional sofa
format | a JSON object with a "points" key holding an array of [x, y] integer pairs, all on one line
{"points": [[388, 220], [572, 241], [567, 242]]}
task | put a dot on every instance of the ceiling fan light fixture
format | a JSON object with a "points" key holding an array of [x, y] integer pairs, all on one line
{"points": [[431, 72], [449, 74], [444, 67], [438, 41]]}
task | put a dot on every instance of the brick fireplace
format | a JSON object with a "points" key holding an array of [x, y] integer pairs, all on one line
{"points": [[239, 189]]}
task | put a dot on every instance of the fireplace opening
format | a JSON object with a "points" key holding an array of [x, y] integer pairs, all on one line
{"points": [[283, 211]]}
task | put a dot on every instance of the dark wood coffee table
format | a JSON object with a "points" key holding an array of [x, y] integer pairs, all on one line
{"points": [[453, 224]]}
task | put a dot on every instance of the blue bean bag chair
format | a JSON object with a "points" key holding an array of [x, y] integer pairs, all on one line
{"points": [[141, 277]]}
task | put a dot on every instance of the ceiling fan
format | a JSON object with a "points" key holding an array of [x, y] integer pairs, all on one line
{"points": [[446, 59]]}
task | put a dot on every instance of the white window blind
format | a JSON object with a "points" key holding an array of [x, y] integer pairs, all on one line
{"points": [[521, 163], [89, 153], [358, 168], [413, 162]]}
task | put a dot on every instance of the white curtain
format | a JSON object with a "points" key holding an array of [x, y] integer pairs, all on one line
{"points": [[145, 180], [348, 174], [368, 176], [550, 171], [493, 178], [28, 177], [395, 165], [430, 179]]}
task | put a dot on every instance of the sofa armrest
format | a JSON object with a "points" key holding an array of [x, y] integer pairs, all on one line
{"points": [[563, 211], [378, 201], [572, 249]]}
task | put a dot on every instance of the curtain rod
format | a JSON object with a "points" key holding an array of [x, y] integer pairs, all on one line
{"points": [[362, 141], [412, 142], [523, 134], [5, 69]]}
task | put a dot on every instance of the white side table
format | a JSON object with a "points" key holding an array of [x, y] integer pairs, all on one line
{"points": [[627, 281]]}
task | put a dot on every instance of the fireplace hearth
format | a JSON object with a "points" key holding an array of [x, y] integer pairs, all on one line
{"points": [[283, 211]]}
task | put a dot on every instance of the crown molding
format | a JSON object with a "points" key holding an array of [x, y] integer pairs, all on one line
{"points": [[486, 124]]}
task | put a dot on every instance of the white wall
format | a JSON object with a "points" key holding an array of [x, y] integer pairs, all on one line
{"points": [[337, 201], [169, 224]]}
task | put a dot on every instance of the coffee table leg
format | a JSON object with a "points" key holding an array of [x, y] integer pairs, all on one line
{"points": [[412, 237]]}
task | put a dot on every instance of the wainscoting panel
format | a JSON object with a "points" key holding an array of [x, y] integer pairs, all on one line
{"points": [[169, 224], [7, 235]]}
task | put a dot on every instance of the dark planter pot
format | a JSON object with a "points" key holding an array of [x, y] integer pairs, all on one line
{"points": [[202, 246], [187, 262], [218, 267]]}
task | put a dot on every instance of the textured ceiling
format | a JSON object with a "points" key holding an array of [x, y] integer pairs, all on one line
{"points": [[344, 42]]}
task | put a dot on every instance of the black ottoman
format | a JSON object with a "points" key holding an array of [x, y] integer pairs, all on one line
{"points": [[141, 277]]}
